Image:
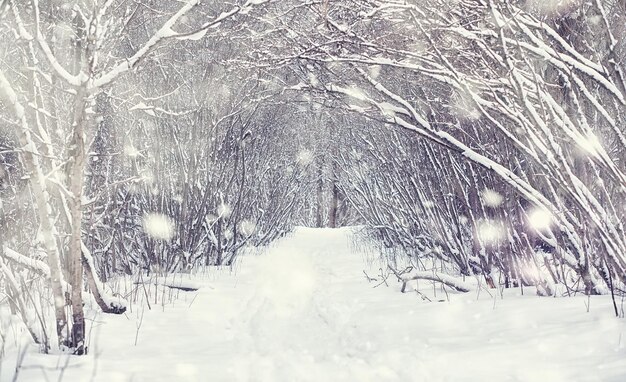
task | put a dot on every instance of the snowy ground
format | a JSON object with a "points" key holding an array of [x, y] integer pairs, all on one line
{"points": [[305, 312]]}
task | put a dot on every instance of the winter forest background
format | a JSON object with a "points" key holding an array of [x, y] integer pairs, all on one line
{"points": [[478, 140]]}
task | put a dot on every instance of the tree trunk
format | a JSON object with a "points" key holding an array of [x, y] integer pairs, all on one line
{"points": [[77, 165], [42, 201], [319, 218], [334, 206]]}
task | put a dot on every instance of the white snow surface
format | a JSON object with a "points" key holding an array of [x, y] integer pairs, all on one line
{"points": [[304, 311]]}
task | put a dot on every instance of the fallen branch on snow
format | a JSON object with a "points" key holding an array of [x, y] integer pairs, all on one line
{"points": [[409, 274], [184, 285], [108, 303]]}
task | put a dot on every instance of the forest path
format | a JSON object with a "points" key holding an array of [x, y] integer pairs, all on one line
{"points": [[308, 318], [304, 311]]}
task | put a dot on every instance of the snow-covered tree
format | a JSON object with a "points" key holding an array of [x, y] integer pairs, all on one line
{"points": [[60, 59]]}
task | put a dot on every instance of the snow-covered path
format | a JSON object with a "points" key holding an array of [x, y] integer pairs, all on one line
{"points": [[305, 312]]}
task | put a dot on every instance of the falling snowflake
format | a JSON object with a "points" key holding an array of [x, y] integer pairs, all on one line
{"points": [[131, 151], [428, 204], [463, 107], [374, 71], [313, 80], [463, 219], [224, 210], [305, 157], [540, 219], [491, 198], [490, 231], [158, 226], [247, 227], [147, 176], [210, 219], [590, 143], [550, 7]]}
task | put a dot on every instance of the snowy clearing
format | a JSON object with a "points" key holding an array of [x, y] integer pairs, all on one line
{"points": [[304, 311]]}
